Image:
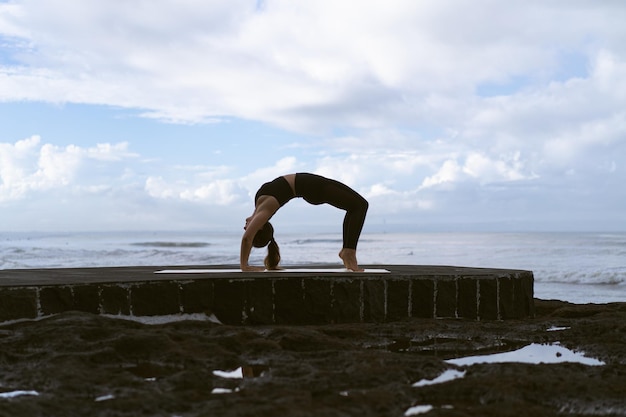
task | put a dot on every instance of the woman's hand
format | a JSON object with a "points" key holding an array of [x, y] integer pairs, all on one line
{"points": [[254, 223], [249, 268]]}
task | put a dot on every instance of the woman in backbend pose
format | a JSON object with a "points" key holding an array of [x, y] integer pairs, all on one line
{"points": [[314, 189]]}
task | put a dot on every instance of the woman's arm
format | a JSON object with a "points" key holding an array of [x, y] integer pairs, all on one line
{"points": [[246, 248], [253, 224]]}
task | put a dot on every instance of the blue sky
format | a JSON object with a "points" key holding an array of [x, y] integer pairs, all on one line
{"points": [[447, 115]]}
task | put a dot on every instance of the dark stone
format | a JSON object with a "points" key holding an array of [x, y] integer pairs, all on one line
{"points": [[467, 298], [18, 303], [115, 300], [488, 299], [259, 302], [75, 360], [229, 300], [86, 298], [55, 300], [446, 298], [507, 309], [196, 296], [346, 301], [155, 299], [422, 299], [523, 298], [288, 301], [374, 301], [317, 300], [397, 299], [277, 298]]}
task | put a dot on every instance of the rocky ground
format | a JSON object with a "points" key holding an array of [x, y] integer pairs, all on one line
{"points": [[87, 365]]}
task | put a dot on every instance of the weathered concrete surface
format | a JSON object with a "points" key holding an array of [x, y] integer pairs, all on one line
{"points": [[272, 297]]}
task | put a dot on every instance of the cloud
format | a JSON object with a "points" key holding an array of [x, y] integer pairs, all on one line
{"points": [[28, 166], [304, 66], [482, 169], [218, 192], [424, 107], [253, 180], [449, 172]]}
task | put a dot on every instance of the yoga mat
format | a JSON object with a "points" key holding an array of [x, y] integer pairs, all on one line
{"points": [[308, 270]]}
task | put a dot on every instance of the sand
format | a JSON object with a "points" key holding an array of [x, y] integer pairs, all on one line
{"points": [[80, 364]]}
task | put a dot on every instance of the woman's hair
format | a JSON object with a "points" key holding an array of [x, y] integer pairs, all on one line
{"points": [[263, 237]]}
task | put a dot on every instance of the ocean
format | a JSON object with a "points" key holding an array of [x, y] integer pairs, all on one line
{"points": [[575, 267]]}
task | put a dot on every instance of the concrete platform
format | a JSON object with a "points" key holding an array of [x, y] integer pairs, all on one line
{"points": [[272, 297]]}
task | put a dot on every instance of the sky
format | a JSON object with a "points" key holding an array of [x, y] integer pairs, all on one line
{"points": [[451, 115]]}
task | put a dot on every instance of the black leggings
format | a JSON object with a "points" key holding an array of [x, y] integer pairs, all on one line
{"points": [[316, 189]]}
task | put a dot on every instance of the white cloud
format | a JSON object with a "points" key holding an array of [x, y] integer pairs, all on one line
{"points": [[480, 168], [221, 192], [158, 188], [29, 166], [12, 158], [449, 172], [212, 185], [485, 169], [56, 167], [26, 166], [256, 178], [294, 64], [217, 192], [394, 96]]}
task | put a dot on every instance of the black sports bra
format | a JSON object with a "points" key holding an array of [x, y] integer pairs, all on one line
{"points": [[278, 188]]}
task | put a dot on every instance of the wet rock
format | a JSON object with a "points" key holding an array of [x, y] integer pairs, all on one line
{"points": [[86, 364]]}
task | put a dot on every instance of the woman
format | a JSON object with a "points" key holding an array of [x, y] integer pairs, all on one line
{"points": [[314, 189]]}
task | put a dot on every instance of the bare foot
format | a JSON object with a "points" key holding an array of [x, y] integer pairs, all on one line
{"points": [[341, 252], [348, 256]]}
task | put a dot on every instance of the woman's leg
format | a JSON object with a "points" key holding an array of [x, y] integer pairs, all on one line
{"points": [[353, 221], [352, 227], [318, 190]]}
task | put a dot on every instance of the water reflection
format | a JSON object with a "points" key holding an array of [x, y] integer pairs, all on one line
{"points": [[557, 328], [418, 409], [449, 347], [446, 376], [246, 371], [254, 371], [18, 393], [533, 354]]}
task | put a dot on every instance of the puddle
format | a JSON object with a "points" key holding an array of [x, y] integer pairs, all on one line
{"points": [[246, 371], [19, 393], [234, 374], [431, 345], [105, 398], [165, 319], [224, 390], [447, 347], [418, 409], [151, 320], [254, 371], [448, 375], [557, 328], [423, 409], [533, 354]]}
